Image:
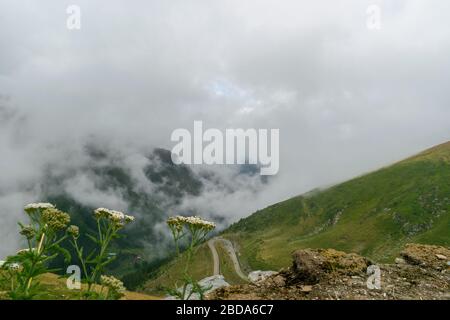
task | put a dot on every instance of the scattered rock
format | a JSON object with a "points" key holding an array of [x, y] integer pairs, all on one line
{"points": [[400, 261], [279, 281], [306, 289], [441, 257], [258, 275]]}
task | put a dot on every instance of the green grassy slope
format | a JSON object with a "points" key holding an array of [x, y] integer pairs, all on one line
{"points": [[172, 273], [202, 267], [374, 215]]}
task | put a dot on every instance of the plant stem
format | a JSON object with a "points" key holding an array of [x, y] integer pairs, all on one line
{"points": [[80, 257], [38, 253]]}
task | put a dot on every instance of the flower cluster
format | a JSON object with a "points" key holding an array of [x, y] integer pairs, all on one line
{"points": [[178, 222], [14, 267], [28, 232], [112, 283], [55, 219], [38, 206], [195, 229], [118, 218], [73, 231], [200, 223]]}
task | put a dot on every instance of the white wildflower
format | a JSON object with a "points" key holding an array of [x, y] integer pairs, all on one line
{"points": [[101, 213], [177, 222], [112, 283], [73, 231], [201, 223], [36, 206], [14, 266], [116, 217], [28, 231], [55, 219]]}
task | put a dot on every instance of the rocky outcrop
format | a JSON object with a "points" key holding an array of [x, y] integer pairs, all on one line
{"points": [[427, 256], [422, 272], [310, 265]]}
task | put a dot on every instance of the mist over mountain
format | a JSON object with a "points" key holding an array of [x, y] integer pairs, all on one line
{"points": [[81, 177]]}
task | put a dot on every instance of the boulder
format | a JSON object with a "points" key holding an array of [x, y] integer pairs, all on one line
{"points": [[310, 265]]}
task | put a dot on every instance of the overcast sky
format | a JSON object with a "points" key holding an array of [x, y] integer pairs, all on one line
{"points": [[346, 98]]}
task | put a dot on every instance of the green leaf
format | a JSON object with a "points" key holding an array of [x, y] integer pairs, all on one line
{"points": [[64, 252], [93, 239]]}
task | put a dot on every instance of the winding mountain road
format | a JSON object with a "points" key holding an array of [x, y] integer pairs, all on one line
{"points": [[231, 253], [215, 256]]}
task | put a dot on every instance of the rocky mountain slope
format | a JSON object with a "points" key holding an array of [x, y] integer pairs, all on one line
{"points": [[422, 272]]}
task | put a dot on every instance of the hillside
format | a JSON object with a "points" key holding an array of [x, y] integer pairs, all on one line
{"points": [[374, 215]]}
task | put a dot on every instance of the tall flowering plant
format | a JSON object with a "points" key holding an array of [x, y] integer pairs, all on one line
{"points": [[109, 223], [195, 229], [47, 229]]}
